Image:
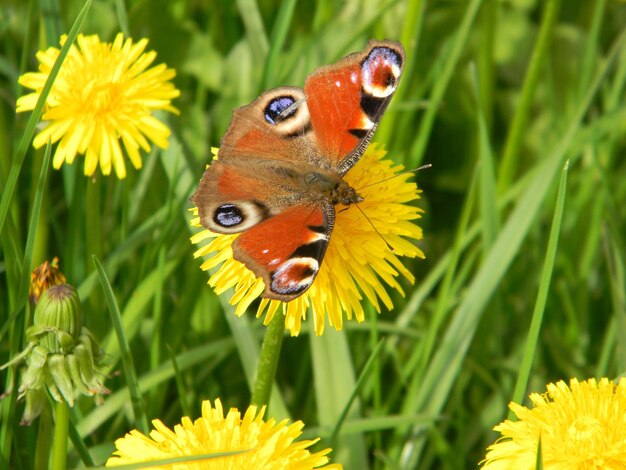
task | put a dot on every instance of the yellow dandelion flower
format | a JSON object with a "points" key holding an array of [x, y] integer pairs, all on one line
{"points": [[104, 93], [582, 426], [266, 445], [357, 263], [43, 277]]}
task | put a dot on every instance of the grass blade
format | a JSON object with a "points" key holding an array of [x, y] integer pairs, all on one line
{"points": [[251, 16], [279, 34], [128, 364], [334, 382], [18, 159], [488, 199], [615, 261], [436, 96], [359, 383], [122, 17], [410, 36], [212, 353], [513, 142], [540, 304]]}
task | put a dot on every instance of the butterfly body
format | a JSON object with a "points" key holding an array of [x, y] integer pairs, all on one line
{"points": [[280, 167]]}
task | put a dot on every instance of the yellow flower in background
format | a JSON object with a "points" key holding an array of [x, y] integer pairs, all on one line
{"points": [[582, 426], [358, 263], [102, 100], [266, 445]]}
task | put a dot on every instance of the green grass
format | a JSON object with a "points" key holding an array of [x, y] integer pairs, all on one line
{"points": [[524, 277]]}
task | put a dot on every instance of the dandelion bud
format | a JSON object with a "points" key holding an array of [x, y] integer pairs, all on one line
{"points": [[59, 317], [62, 356]]}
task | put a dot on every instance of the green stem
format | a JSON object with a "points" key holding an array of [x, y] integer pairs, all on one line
{"points": [[268, 361], [518, 127], [61, 427], [44, 439]]}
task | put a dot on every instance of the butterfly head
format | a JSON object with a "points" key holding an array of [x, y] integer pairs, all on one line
{"points": [[331, 187], [345, 194]]}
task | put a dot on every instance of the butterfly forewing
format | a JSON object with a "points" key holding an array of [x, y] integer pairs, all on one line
{"points": [[276, 126], [347, 99]]}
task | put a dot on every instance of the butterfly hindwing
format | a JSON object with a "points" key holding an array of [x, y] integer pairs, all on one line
{"points": [[287, 250]]}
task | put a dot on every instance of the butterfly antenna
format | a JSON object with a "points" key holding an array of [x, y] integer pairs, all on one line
{"points": [[374, 227], [414, 170]]}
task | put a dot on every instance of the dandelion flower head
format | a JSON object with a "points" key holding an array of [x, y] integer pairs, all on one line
{"points": [[265, 445], [582, 426], [101, 100]]}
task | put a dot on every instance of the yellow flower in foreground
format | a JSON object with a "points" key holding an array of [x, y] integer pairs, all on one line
{"points": [[582, 426], [103, 93], [267, 444], [357, 262]]}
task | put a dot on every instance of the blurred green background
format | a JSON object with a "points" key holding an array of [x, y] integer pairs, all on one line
{"points": [[497, 95]]}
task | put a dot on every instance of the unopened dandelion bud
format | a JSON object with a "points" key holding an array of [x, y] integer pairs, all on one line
{"points": [[62, 356], [60, 312]]}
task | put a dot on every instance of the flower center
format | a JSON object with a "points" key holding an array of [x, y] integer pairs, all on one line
{"points": [[584, 430], [99, 96]]}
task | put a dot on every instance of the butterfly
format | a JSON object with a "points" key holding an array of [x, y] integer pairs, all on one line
{"points": [[279, 171]]}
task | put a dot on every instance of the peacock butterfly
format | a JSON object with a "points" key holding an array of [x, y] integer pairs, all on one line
{"points": [[280, 166]]}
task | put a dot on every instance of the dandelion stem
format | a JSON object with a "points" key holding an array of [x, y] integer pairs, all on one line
{"points": [[268, 361], [59, 443], [44, 437]]}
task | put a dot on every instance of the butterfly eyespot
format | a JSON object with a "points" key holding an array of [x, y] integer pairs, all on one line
{"points": [[286, 111], [233, 216], [228, 215], [294, 276], [275, 109], [381, 71]]}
